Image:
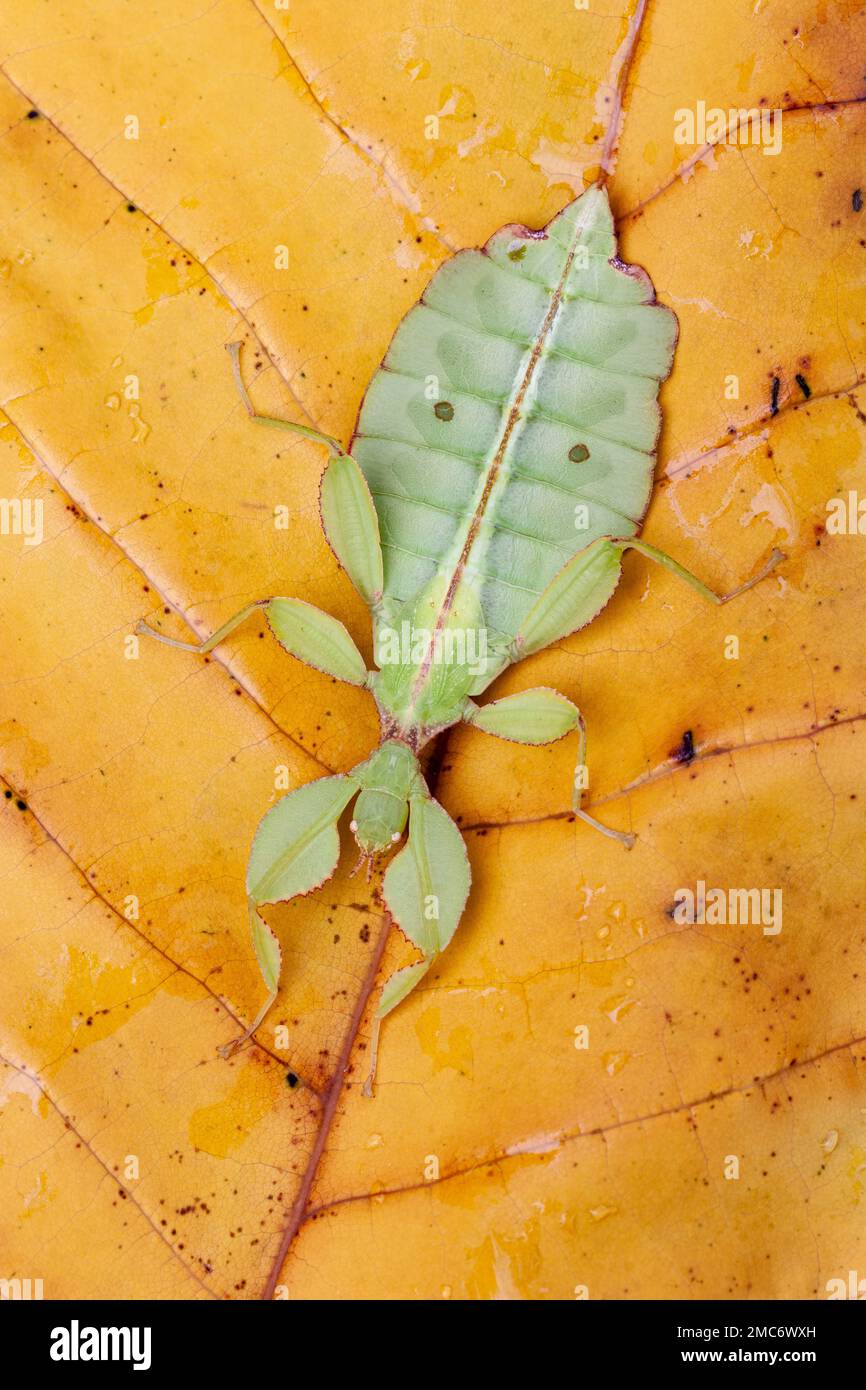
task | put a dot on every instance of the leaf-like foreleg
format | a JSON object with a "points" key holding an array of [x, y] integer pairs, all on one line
{"points": [[295, 850], [424, 888], [269, 957]]}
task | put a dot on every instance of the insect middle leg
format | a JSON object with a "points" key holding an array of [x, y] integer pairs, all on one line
{"points": [[541, 716]]}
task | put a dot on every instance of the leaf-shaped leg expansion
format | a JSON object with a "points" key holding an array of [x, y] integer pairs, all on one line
{"points": [[541, 716], [352, 526], [295, 850], [585, 585], [425, 890]]}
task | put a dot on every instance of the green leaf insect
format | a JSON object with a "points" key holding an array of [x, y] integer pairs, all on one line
{"points": [[501, 465]]}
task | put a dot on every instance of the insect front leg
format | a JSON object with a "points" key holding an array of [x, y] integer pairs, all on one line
{"points": [[540, 716], [425, 890], [295, 850], [269, 957]]}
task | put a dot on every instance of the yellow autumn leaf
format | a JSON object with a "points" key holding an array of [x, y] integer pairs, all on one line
{"points": [[177, 179]]}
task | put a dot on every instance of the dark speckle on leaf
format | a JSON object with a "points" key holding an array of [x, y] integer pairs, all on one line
{"points": [[291, 1080], [857, 199], [803, 385], [774, 396], [443, 410], [130, 207], [33, 114], [686, 750], [578, 453]]}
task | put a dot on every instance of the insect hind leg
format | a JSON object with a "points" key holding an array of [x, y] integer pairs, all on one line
{"points": [[308, 432], [674, 567]]}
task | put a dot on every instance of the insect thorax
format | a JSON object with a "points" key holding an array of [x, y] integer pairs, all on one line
{"points": [[387, 778]]}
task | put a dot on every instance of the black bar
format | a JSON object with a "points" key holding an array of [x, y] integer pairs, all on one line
{"points": [[243, 1339]]}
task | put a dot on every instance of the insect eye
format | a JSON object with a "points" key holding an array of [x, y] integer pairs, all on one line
{"points": [[443, 410], [578, 453]]}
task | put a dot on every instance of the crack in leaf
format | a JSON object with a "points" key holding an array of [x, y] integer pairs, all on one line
{"points": [[670, 768], [214, 658], [522, 1149], [130, 1196], [96, 895], [796, 108]]}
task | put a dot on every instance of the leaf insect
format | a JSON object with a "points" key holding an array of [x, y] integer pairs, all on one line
{"points": [[479, 527]]}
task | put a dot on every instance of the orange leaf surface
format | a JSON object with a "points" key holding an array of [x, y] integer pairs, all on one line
{"points": [[160, 171]]}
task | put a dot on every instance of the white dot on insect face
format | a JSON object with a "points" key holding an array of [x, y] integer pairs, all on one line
{"points": [[353, 826], [395, 837]]}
